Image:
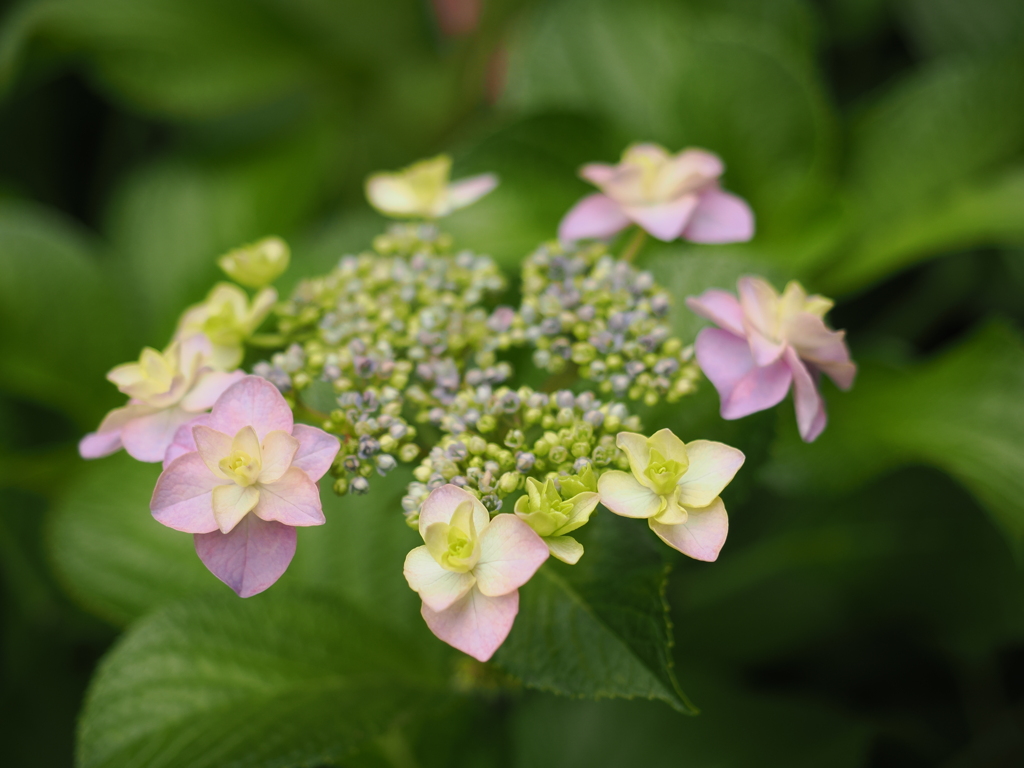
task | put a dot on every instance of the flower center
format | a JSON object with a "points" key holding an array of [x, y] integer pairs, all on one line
{"points": [[223, 326], [663, 473], [241, 467]]}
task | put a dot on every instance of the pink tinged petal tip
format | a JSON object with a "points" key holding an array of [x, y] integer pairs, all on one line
{"points": [[96, 445], [294, 499], [255, 402], [476, 624], [720, 217], [743, 387], [183, 497], [251, 557], [147, 438], [467, 191], [810, 407], [701, 536], [595, 216], [720, 307], [317, 450], [510, 553], [665, 221]]}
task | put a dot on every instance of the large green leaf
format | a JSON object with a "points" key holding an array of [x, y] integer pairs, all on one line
{"points": [[60, 325], [976, 214], [944, 27], [960, 412], [281, 679], [110, 553], [598, 629]]}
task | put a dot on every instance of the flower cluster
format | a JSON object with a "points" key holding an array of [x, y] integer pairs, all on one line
{"points": [[398, 354], [583, 307], [395, 326]]}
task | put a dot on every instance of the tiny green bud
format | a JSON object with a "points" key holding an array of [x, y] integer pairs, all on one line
{"points": [[487, 423], [509, 482], [409, 452], [341, 486]]}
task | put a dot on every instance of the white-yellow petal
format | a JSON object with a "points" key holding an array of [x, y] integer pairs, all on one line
{"points": [[624, 495], [231, 503], [712, 467]]}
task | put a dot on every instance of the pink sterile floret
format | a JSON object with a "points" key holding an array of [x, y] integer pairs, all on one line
{"points": [[241, 478]]}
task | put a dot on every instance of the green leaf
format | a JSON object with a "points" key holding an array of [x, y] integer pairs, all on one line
{"points": [[979, 214], [737, 729], [960, 412], [281, 679], [598, 629], [951, 27], [61, 328], [109, 552]]}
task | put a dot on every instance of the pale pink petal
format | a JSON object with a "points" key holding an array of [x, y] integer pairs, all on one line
{"points": [[665, 221], [208, 387], [810, 407], [764, 350], [595, 216], [598, 173], [760, 303], [316, 452], [212, 446], [689, 170], [824, 348], [250, 558], [467, 191], [624, 495], [701, 536], [712, 467], [183, 497], [292, 500], [476, 624], [107, 437], [742, 387], [720, 307], [95, 445], [510, 553], [437, 587], [252, 401], [278, 450], [184, 442], [231, 503], [720, 217], [441, 504], [146, 438]]}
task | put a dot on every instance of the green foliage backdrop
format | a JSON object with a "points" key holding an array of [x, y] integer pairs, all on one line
{"points": [[868, 609]]}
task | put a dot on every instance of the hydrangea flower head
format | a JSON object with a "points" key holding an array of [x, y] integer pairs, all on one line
{"points": [[469, 570], [676, 487], [227, 318], [257, 265], [424, 190], [765, 343], [670, 196], [249, 479], [166, 389], [554, 513]]}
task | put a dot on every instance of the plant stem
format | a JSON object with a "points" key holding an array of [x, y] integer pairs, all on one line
{"points": [[634, 245]]}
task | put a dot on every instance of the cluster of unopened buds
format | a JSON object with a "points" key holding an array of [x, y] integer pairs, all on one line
{"points": [[402, 355]]}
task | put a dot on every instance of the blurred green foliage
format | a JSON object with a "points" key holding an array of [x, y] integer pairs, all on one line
{"points": [[867, 610]]}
